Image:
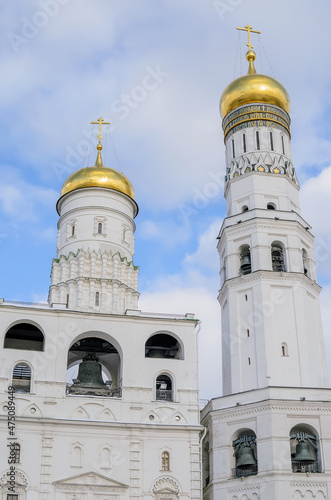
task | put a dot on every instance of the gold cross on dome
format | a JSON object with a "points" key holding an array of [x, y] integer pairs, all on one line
{"points": [[101, 122], [249, 30]]}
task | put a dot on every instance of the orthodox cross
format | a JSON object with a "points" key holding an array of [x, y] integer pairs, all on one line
{"points": [[101, 122], [249, 30]]}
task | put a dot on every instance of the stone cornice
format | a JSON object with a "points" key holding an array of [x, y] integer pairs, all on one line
{"points": [[272, 277]]}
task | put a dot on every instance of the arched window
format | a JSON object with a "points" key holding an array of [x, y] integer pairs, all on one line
{"points": [[77, 456], [305, 453], [97, 299], [164, 388], [245, 454], [284, 349], [165, 462], [283, 145], [233, 150], [277, 257], [244, 208], [99, 227], [22, 377], [245, 260], [24, 336], [73, 230], [271, 206], [305, 262], [271, 141], [163, 345]]}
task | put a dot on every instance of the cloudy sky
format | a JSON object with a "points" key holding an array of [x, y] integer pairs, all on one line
{"points": [[156, 70]]}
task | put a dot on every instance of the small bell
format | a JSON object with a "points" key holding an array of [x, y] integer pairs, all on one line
{"points": [[304, 453], [245, 456], [245, 267]]}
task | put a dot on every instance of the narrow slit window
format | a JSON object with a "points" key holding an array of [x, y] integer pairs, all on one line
{"points": [[271, 142], [249, 361], [248, 334], [246, 297], [97, 299], [283, 145], [233, 150], [165, 461], [244, 142], [257, 140], [99, 228], [67, 303], [73, 230]]}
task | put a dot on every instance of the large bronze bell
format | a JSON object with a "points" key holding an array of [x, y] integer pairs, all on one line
{"points": [[90, 372], [245, 267], [245, 456], [304, 453]]}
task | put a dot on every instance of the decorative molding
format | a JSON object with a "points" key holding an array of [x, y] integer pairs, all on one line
{"points": [[166, 484]]}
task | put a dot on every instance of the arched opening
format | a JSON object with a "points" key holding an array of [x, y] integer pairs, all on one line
{"points": [[244, 208], [164, 390], [97, 299], [305, 262], [99, 227], [305, 450], [24, 336], [165, 461], [94, 366], [245, 454], [22, 377], [271, 206], [163, 345], [245, 260], [284, 349], [277, 257]]}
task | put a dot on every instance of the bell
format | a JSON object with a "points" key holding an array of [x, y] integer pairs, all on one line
{"points": [[246, 456], [245, 264], [304, 453], [90, 372], [156, 353]]}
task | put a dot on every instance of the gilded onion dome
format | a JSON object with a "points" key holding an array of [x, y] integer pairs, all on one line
{"points": [[253, 88], [99, 175]]}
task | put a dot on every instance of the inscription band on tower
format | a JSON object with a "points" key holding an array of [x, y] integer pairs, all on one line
{"points": [[256, 115]]}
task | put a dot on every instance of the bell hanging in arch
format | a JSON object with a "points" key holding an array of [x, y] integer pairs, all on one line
{"points": [[90, 372], [245, 456], [245, 267], [304, 453]]}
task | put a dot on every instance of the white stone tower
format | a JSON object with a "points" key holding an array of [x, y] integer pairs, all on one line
{"points": [[272, 340], [94, 268]]}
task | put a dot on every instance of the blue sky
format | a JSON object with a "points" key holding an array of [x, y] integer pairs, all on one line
{"points": [[156, 70]]}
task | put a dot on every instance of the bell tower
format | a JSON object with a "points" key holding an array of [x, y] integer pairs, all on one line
{"points": [[271, 324], [269, 432]]}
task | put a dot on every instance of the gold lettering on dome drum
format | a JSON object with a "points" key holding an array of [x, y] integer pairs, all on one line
{"points": [[256, 108], [259, 118]]}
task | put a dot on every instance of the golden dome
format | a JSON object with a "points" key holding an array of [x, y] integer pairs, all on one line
{"points": [[98, 176], [253, 88]]}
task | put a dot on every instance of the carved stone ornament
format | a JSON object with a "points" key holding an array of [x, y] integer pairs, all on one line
{"points": [[166, 486]]}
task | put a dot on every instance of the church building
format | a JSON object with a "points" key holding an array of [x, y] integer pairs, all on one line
{"points": [[99, 401], [269, 435]]}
